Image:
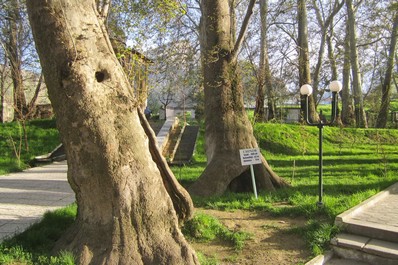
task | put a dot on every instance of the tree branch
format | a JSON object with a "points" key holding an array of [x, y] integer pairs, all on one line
{"points": [[32, 102], [243, 29], [103, 9]]}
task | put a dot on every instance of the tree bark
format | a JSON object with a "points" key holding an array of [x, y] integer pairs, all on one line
{"points": [[360, 116], [228, 128], [264, 73], [2, 89], [125, 215], [14, 55], [333, 66], [382, 116], [324, 27], [304, 58], [347, 109]]}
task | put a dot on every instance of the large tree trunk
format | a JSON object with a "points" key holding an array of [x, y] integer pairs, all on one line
{"points": [[386, 88], [360, 116], [228, 128], [125, 215], [304, 58]]}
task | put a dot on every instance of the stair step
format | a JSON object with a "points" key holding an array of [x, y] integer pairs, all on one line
{"points": [[186, 145], [370, 229], [350, 241], [372, 251]]}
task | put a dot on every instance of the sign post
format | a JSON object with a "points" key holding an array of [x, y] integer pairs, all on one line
{"points": [[251, 157]]}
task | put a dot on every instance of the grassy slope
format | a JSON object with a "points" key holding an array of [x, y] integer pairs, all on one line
{"points": [[358, 163]]}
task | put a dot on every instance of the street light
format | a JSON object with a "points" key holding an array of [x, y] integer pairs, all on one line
{"points": [[306, 90]]}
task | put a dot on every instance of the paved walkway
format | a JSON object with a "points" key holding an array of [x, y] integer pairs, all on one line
{"points": [[382, 209], [27, 195]]}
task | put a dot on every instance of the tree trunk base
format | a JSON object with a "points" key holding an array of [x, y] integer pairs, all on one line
{"points": [[97, 244], [227, 174]]}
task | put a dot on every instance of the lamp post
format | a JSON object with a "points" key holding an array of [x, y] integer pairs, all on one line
{"points": [[306, 90]]}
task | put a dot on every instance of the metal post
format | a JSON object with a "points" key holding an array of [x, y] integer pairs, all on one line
{"points": [[320, 125], [253, 181], [320, 186]]}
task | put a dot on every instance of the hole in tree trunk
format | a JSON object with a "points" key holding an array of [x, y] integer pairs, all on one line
{"points": [[99, 76], [242, 183]]}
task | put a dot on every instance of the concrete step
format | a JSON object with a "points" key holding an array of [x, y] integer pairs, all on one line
{"points": [[370, 229], [186, 145], [365, 249]]}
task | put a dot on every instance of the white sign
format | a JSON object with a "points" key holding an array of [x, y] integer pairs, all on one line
{"points": [[250, 156]]}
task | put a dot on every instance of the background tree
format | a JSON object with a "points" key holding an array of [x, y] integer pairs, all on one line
{"points": [[264, 73], [324, 22], [14, 53], [303, 57], [386, 87], [125, 212], [360, 116], [347, 113], [227, 125], [19, 62], [4, 87]]}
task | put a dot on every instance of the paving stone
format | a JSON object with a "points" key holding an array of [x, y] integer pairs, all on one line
{"points": [[26, 196], [384, 212], [337, 261]]}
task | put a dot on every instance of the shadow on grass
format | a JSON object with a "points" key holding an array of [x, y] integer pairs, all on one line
{"points": [[40, 238], [327, 161]]}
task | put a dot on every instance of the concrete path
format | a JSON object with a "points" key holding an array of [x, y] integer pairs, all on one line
{"points": [[27, 195]]}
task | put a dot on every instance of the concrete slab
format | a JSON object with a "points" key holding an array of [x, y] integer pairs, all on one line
{"points": [[26, 196], [164, 132], [350, 241], [337, 261], [374, 200], [382, 248], [376, 217]]}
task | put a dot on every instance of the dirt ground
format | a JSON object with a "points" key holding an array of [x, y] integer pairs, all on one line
{"points": [[271, 240]]}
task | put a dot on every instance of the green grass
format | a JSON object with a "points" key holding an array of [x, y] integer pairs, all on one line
{"points": [[205, 228], [33, 246], [16, 153], [358, 163]]}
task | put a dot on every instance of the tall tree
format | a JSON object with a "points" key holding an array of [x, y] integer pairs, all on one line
{"points": [[228, 128], [324, 24], [13, 48], [264, 72], [304, 58], [386, 87], [360, 116], [3, 84], [347, 109], [125, 208]]}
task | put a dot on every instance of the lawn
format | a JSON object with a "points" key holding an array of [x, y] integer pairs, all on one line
{"points": [[358, 163], [20, 143]]}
